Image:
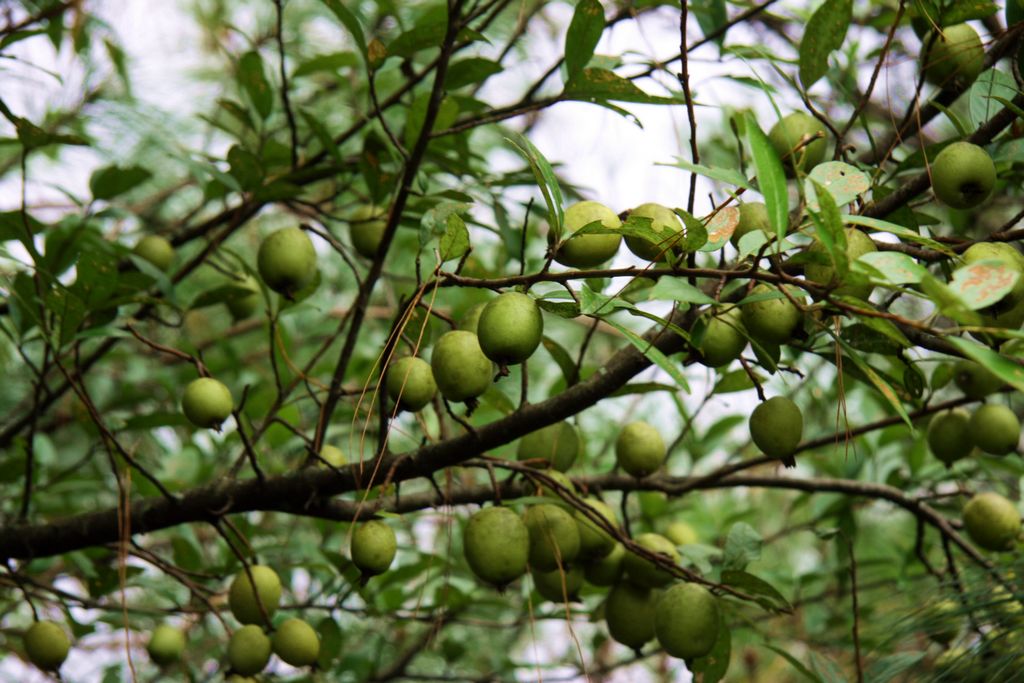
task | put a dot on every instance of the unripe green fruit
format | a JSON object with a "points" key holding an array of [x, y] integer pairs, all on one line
{"points": [[366, 228], [287, 260], [857, 244], [497, 545], [776, 427], [992, 521], [550, 587], [460, 368], [410, 383], [629, 612], [207, 402], [643, 572], [753, 216], [995, 428], [606, 571], [771, 321], [557, 445], [639, 450], [789, 133], [46, 645], [249, 650], [333, 455], [686, 620], [242, 599], [471, 318], [155, 249], [244, 305], [955, 54], [949, 436], [975, 380], [663, 221], [561, 479], [595, 541], [587, 251], [296, 643], [373, 547], [943, 622], [166, 644], [963, 175], [681, 533], [510, 328], [723, 340], [554, 537]]}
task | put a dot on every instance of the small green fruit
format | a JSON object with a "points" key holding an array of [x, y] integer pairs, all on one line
{"points": [[681, 533], [373, 547], [639, 450], [857, 244], [686, 620], [560, 478], [955, 54], [753, 216], [287, 260], [207, 402], [471, 318], [771, 321], [460, 368], [992, 521], [410, 383], [664, 222], [296, 643], [333, 456], [643, 572], [46, 645], [166, 644], [776, 427], [249, 650], [497, 545], [595, 541], [789, 133], [975, 380], [554, 537], [724, 339], [949, 436], [242, 599], [155, 249], [556, 445], [629, 613], [366, 228], [587, 251], [995, 428], [963, 175], [606, 571], [510, 328], [550, 586], [244, 304]]}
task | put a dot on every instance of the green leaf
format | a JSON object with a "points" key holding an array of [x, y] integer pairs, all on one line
{"points": [[830, 231], [427, 32], [823, 34], [887, 668], [771, 178], [742, 546], [470, 72], [584, 32], [254, 81], [592, 85], [111, 181], [455, 240], [985, 93], [965, 10], [1007, 370], [983, 283], [331, 62], [546, 181], [826, 668], [720, 228], [898, 268], [795, 663], [715, 664], [737, 380], [883, 387], [350, 22], [766, 594], [678, 289], [562, 358], [653, 354], [729, 176], [843, 181], [711, 16], [323, 135]]}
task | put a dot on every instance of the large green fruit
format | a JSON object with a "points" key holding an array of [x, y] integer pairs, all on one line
{"points": [[949, 435], [510, 328], [242, 598], [955, 54], [771, 321], [790, 132], [46, 645], [287, 260], [366, 227], [753, 216], [857, 244], [723, 340], [975, 380], [587, 251], [296, 643], [166, 644], [595, 541], [207, 402], [995, 429], [963, 175], [410, 383], [497, 545], [550, 584], [554, 537], [640, 450], [607, 570], [992, 521], [460, 368], [373, 547], [249, 650], [155, 249], [776, 427], [557, 445], [686, 620], [681, 533], [243, 304], [629, 612], [643, 572], [664, 222]]}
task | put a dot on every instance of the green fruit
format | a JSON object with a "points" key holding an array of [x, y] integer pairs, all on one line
{"points": [[287, 260], [242, 599], [776, 427], [249, 650], [639, 450], [595, 541], [156, 250], [857, 244], [556, 445], [681, 533], [460, 368], [510, 328], [955, 54], [333, 456], [753, 216], [206, 402], [366, 228], [975, 380], [723, 340], [296, 643], [995, 428], [245, 303], [663, 221], [789, 133], [561, 479], [992, 521], [410, 383], [686, 620], [629, 612], [643, 572], [949, 436], [46, 645], [606, 571], [497, 545], [471, 318], [550, 586], [943, 622], [166, 644], [963, 175], [554, 537], [771, 321], [587, 251], [373, 547]]}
